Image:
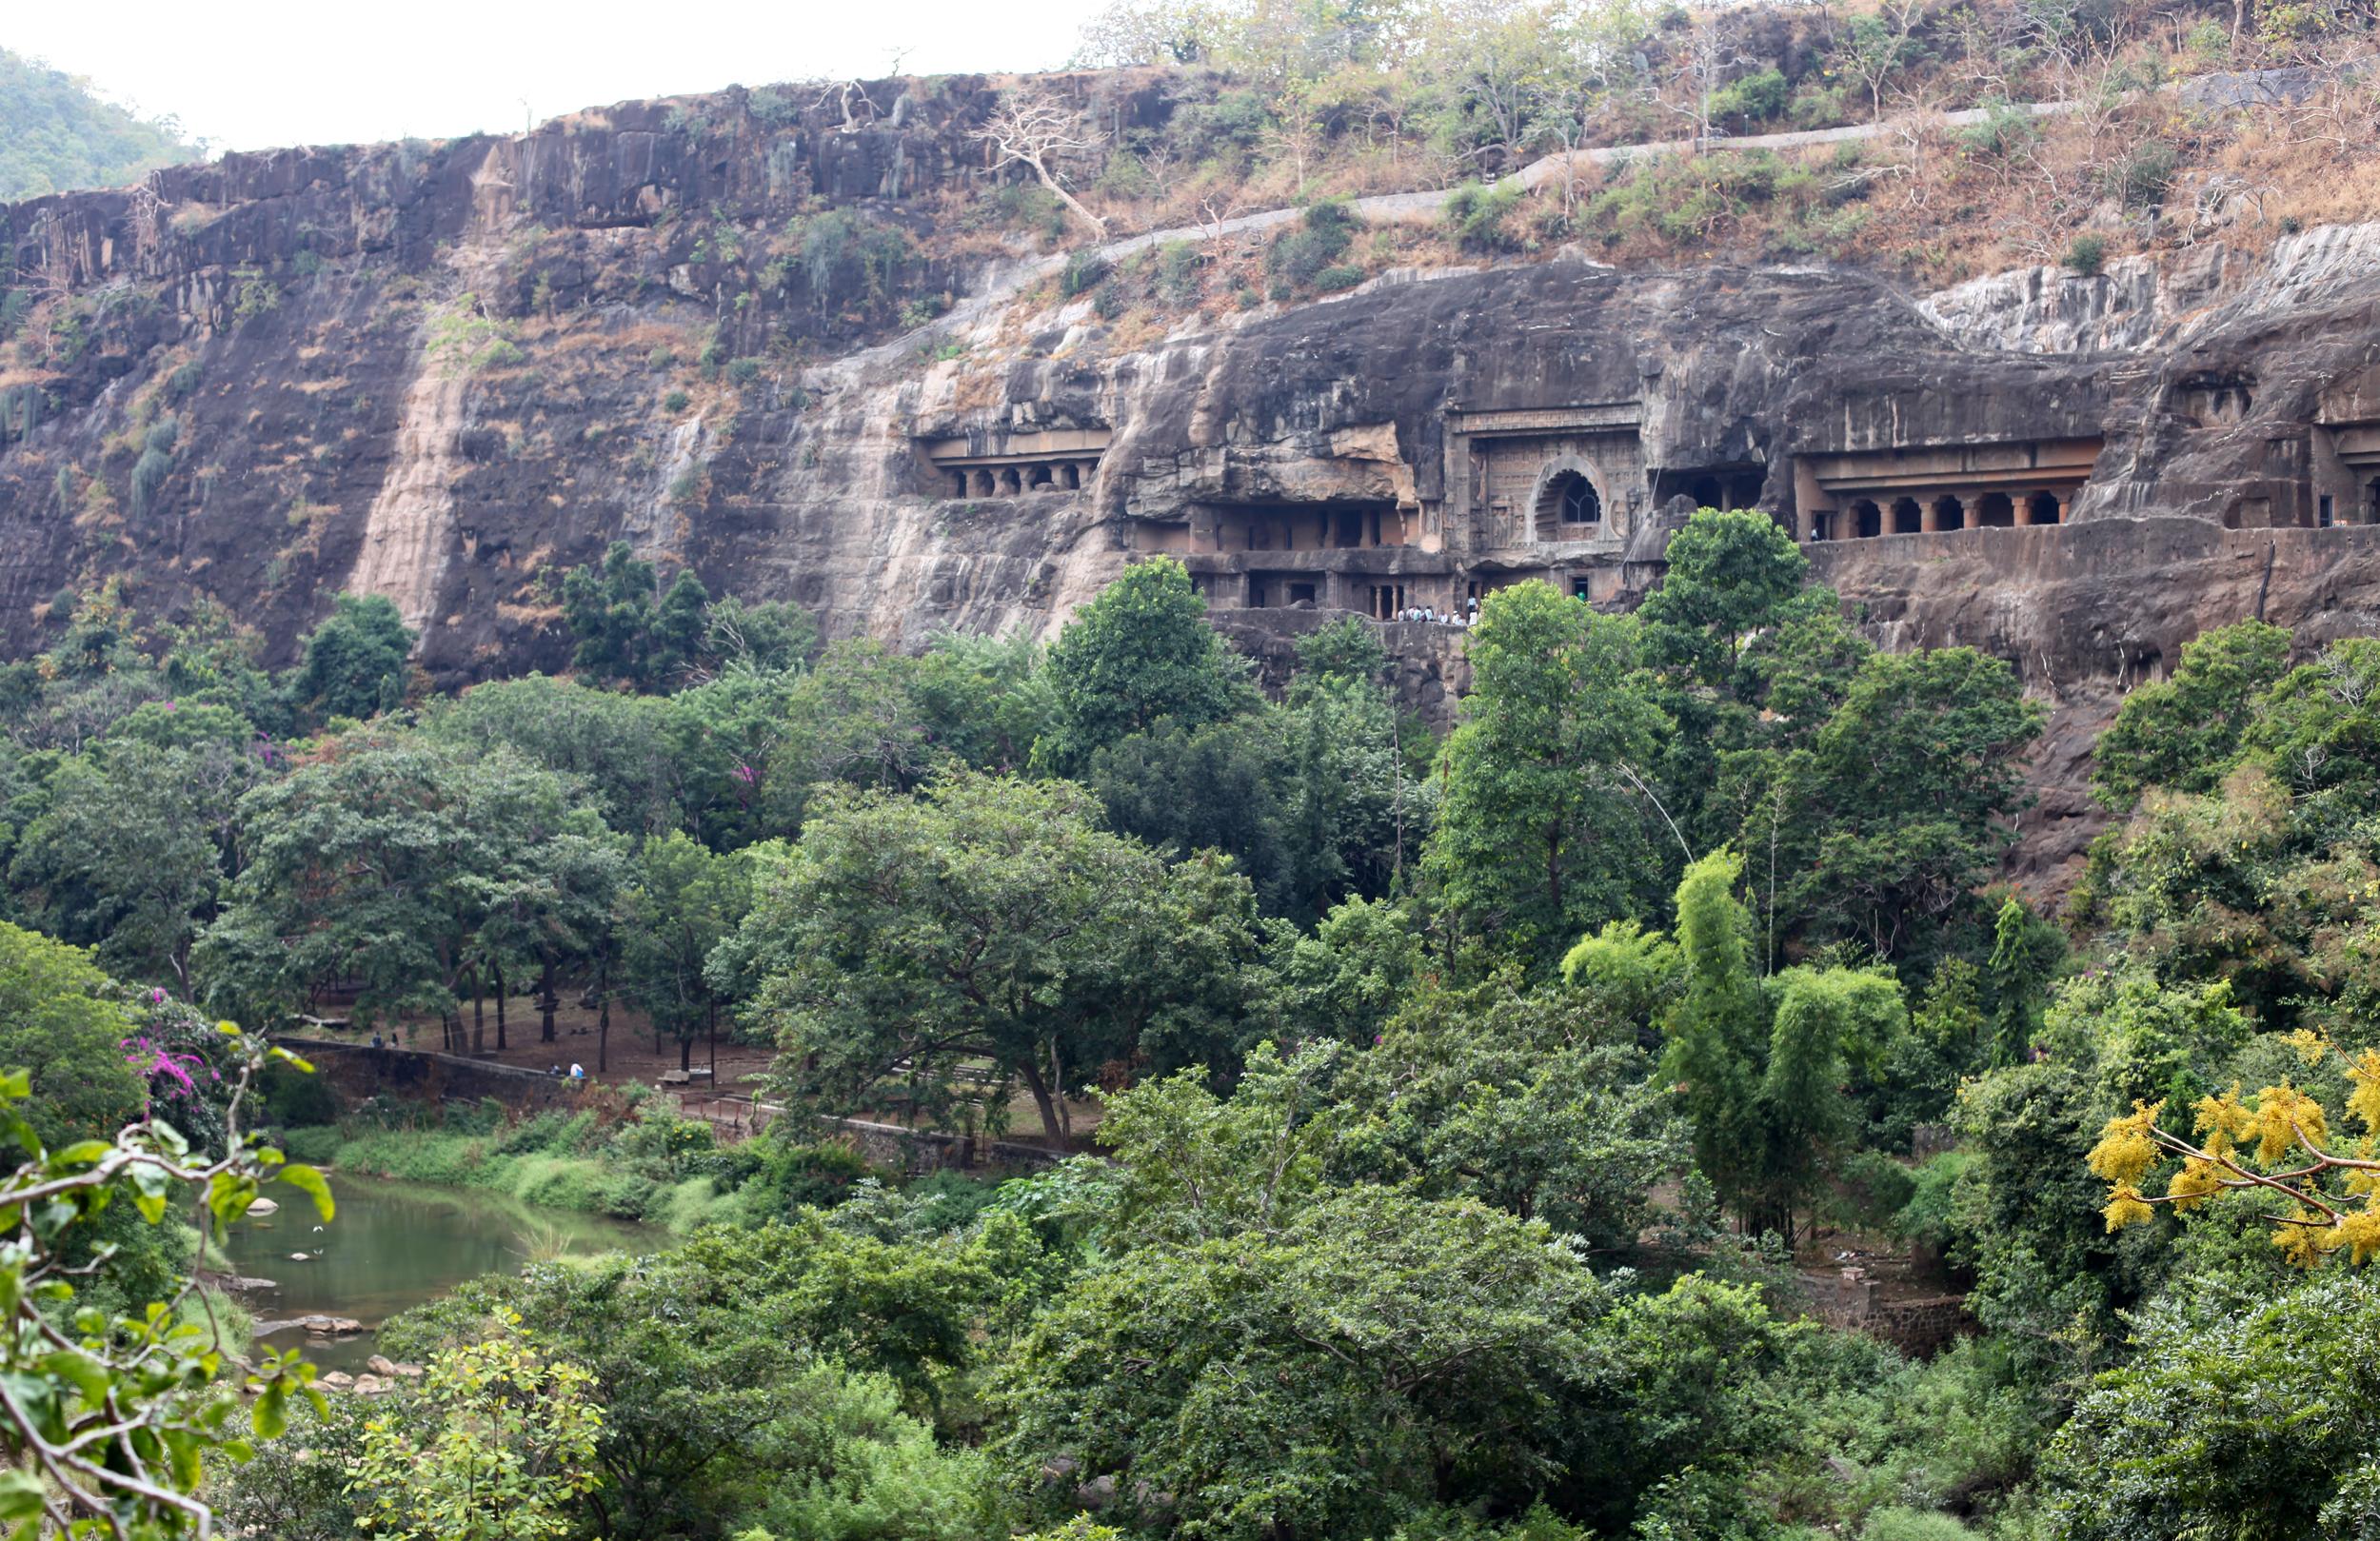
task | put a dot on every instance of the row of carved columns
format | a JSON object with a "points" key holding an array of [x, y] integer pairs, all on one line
{"points": [[1933, 512], [1013, 481]]}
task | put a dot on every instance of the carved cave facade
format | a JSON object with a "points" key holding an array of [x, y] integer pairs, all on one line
{"points": [[1580, 495]]}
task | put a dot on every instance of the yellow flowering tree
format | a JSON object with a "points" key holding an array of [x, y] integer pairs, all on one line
{"points": [[2277, 1143]]}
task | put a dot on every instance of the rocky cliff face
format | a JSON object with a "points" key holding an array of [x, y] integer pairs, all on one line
{"points": [[782, 341]]}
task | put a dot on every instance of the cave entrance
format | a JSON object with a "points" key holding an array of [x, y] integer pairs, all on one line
{"points": [[1388, 599], [1866, 520], [1908, 519], [1995, 511], [2043, 509], [1948, 514]]}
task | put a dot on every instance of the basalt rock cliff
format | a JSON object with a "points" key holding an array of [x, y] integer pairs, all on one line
{"points": [[782, 340]]}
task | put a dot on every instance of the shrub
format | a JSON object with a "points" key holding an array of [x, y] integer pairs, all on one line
{"points": [[1034, 207], [316, 1146], [1895, 1522], [2143, 175], [2003, 129], [2086, 254], [1321, 239], [183, 383], [1754, 98], [1331, 280], [149, 474], [1478, 215], [1929, 1214], [294, 1100], [1177, 272], [256, 295], [743, 371], [675, 402], [1083, 273]]}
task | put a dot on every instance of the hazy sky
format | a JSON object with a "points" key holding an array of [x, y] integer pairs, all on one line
{"points": [[274, 72]]}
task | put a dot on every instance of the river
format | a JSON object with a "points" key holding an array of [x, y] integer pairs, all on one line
{"points": [[396, 1245]]}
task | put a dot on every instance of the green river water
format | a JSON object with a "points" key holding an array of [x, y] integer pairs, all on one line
{"points": [[395, 1245]]}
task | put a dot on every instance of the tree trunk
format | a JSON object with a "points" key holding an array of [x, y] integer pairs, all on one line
{"points": [[710, 1011], [1043, 1101], [685, 1052], [1098, 225], [546, 1001], [603, 1018], [479, 1015]]}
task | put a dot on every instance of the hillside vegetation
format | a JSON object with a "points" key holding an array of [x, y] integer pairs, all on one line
{"points": [[1558, 1131], [1274, 105], [55, 135]]}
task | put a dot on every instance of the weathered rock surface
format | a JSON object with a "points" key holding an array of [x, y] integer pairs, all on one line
{"points": [[447, 372]]}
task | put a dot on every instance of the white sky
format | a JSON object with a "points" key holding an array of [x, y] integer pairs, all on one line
{"points": [[274, 72]]}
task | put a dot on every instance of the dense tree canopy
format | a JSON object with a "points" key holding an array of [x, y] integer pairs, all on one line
{"points": [[1481, 1116]]}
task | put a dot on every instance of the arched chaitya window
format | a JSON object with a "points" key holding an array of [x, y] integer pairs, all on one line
{"points": [[1567, 507], [1579, 505]]}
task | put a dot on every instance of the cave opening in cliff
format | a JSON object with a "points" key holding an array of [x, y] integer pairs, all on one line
{"points": [[2371, 501], [1866, 518], [1994, 510], [2043, 509], [1948, 514], [1736, 485], [1908, 519], [1324, 527]]}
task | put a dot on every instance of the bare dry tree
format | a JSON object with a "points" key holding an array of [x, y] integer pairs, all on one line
{"points": [[1215, 213], [1032, 128], [146, 215], [1698, 67], [2342, 108], [843, 92], [1294, 137]]}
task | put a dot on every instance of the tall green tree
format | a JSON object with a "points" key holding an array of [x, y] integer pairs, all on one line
{"points": [[1138, 652], [130, 853], [1761, 1063], [387, 863], [1886, 828], [624, 749], [987, 924], [678, 903], [63, 1023], [1541, 833], [354, 662], [1744, 658], [2183, 733], [627, 626]]}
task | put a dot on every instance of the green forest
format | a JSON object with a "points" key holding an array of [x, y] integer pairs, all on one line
{"points": [[55, 135], [1457, 1129]]}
